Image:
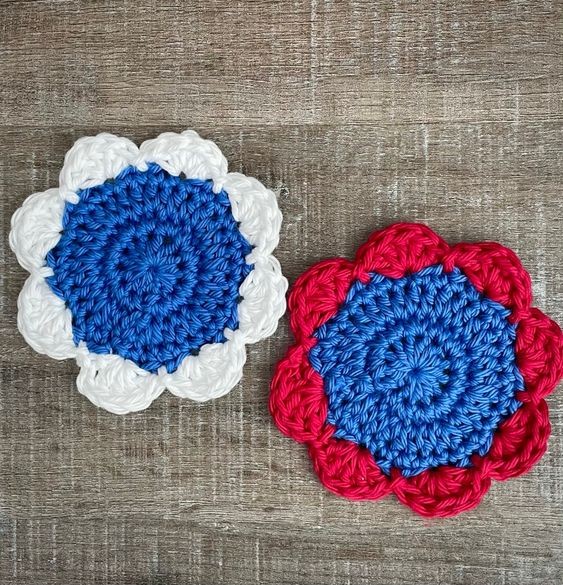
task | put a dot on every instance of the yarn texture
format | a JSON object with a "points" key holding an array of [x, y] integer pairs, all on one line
{"points": [[419, 369], [151, 266], [401, 378]]}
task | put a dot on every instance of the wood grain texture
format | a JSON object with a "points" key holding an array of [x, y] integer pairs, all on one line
{"points": [[362, 113]]}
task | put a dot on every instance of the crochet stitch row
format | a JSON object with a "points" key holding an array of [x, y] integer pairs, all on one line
{"points": [[150, 266], [420, 369]]}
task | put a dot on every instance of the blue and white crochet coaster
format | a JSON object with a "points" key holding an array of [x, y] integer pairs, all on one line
{"points": [[151, 266]]}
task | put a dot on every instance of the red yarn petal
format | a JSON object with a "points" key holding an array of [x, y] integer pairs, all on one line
{"points": [[444, 491], [496, 272], [297, 400], [519, 442], [400, 249], [348, 469], [317, 294], [539, 354]]}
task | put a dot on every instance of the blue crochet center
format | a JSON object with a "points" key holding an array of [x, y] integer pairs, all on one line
{"points": [[150, 265], [419, 370]]}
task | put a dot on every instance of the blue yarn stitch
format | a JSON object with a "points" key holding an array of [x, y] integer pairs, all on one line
{"points": [[150, 266], [419, 370]]}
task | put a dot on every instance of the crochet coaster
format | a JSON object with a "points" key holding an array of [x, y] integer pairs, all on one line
{"points": [[419, 369], [151, 266]]}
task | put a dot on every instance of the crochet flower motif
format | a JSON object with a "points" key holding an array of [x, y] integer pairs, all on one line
{"points": [[419, 369], [151, 266]]}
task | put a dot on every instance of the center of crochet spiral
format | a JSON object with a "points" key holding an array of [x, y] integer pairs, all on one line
{"points": [[419, 370], [150, 266]]}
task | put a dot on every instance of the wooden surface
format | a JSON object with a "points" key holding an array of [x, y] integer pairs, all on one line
{"points": [[362, 113]]}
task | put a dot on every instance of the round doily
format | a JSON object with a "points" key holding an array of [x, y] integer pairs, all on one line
{"points": [[419, 369], [151, 266]]}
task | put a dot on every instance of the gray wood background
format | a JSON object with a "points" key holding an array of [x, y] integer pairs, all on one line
{"points": [[362, 113]]}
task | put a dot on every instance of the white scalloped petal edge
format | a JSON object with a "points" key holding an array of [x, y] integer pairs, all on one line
{"points": [[257, 210], [263, 292], [213, 372], [44, 321], [186, 153], [116, 384], [92, 160], [36, 228], [110, 381]]}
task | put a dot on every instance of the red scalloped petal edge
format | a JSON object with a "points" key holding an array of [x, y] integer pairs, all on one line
{"points": [[539, 355], [518, 443], [347, 469], [317, 294], [444, 491], [299, 404], [495, 271], [400, 249]]}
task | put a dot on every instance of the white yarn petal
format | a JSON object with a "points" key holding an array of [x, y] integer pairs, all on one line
{"points": [[212, 373], [92, 160], [186, 153], [36, 228], [44, 321], [116, 384], [257, 210], [263, 292]]}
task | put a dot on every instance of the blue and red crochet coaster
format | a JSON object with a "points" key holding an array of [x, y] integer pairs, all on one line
{"points": [[419, 369]]}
